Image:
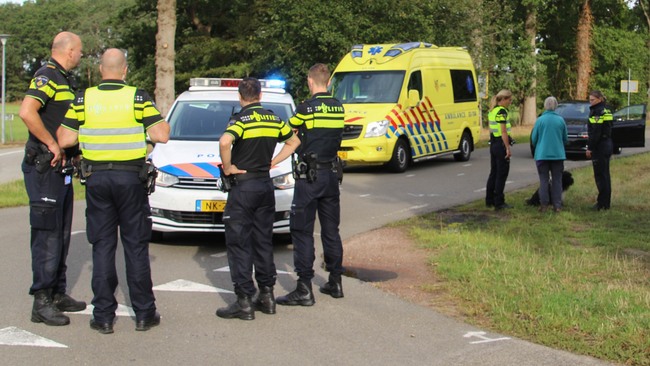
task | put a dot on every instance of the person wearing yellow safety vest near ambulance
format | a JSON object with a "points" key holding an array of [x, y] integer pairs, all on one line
{"points": [[110, 122], [500, 142], [600, 147]]}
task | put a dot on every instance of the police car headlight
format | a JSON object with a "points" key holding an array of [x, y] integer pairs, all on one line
{"points": [[165, 180], [284, 181], [376, 129]]}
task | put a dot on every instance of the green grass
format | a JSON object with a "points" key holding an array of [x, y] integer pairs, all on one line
{"points": [[13, 194], [15, 130], [578, 280]]}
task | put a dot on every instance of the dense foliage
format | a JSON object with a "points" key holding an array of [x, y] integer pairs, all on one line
{"points": [[283, 38]]}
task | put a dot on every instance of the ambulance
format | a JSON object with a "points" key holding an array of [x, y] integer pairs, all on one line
{"points": [[187, 196], [405, 103]]}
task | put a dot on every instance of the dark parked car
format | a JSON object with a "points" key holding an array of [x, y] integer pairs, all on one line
{"points": [[628, 128]]}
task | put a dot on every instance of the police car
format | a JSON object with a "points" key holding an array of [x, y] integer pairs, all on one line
{"points": [[187, 198]]}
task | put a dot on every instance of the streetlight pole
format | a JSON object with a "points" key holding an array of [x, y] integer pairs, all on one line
{"points": [[3, 39]]}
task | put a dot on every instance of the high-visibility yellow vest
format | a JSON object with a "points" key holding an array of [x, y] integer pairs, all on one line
{"points": [[495, 120], [110, 131]]}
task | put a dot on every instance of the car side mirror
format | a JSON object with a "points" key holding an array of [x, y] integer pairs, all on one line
{"points": [[413, 97]]}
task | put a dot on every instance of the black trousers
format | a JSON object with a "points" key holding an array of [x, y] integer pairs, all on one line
{"points": [[115, 199], [322, 196], [600, 161], [50, 217], [499, 169], [248, 220]]}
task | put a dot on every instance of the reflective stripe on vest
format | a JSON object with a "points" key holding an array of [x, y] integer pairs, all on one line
{"points": [[495, 118], [110, 131], [606, 117]]}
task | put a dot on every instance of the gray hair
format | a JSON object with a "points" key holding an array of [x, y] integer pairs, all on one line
{"points": [[550, 103]]}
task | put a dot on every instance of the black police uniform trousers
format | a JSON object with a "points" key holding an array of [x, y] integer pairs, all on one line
{"points": [[50, 217], [322, 196], [600, 161], [499, 169], [248, 219], [117, 198]]}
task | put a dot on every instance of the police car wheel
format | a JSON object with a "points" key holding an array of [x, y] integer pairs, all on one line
{"points": [[465, 148], [400, 159]]}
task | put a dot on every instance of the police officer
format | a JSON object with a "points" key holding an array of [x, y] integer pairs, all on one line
{"points": [[319, 121], [248, 217], [110, 122], [600, 147], [50, 192], [500, 142]]}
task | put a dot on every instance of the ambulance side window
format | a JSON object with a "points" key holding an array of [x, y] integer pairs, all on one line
{"points": [[463, 84], [415, 82]]}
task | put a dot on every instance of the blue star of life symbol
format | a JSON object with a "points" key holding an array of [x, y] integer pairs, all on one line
{"points": [[375, 50]]}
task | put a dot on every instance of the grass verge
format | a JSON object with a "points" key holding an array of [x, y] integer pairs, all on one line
{"points": [[576, 280], [13, 194]]}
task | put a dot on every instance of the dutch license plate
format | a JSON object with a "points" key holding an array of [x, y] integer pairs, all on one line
{"points": [[343, 155], [210, 206]]}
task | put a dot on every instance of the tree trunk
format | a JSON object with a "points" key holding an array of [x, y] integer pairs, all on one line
{"points": [[529, 110], [583, 49], [165, 55]]}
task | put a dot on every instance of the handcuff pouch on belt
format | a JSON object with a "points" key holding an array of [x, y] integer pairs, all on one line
{"points": [[305, 167]]}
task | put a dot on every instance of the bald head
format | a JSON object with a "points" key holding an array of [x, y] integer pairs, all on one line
{"points": [[113, 64], [66, 49]]}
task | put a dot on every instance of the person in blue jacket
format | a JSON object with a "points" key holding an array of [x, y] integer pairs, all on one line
{"points": [[548, 138]]}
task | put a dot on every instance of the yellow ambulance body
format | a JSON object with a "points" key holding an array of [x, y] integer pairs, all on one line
{"points": [[407, 102]]}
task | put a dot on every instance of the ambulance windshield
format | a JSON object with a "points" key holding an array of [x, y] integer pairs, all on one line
{"points": [[367, 86]]}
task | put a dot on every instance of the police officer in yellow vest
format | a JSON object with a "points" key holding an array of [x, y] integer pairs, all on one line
{"points": [[600, 147], [499, 150], [110, 121]]}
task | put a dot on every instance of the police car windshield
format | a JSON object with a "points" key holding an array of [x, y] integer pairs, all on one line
{"points": [[206, 120], [367, 86]]}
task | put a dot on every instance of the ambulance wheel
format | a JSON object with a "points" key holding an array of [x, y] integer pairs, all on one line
{"points": [[465, 148], [156, 236], [401, 157]]}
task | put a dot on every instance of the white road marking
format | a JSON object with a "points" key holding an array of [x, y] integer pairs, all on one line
{"points": [[189, 286], [12, 336], [78, 232], [122, 310], [219, 255], [484, 339], [364, 195], [423, 194], [227, 269], [460, 174], [11, 152]]}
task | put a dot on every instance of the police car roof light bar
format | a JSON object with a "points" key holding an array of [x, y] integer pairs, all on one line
{"points": [[273, 85]]}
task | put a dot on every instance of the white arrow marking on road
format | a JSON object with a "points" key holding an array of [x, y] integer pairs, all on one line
{"points": [[122, 310], [12, 336], [483, 338], [227, 269], [189, 286]]}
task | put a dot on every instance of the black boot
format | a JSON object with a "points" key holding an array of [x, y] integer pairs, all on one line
{"points": [[302, 295], [242, 309], [64, 302], [333, 287], [265, 301], [44, 310]]}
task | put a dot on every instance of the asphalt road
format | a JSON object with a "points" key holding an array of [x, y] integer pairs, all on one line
{"points": [[366, 327]]}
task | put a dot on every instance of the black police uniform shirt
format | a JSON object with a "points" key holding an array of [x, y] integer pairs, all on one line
{"points": [[598, 131], [320, 123], [54, 88], [256, 132], [144, 108]]}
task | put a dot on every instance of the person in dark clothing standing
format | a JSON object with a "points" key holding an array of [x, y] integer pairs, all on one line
{"points": [[319, 121], [248, 217], [49, 190], [600, 147], [111, 122], [500, 142]]}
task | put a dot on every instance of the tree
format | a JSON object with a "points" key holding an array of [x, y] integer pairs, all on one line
{"points": [[165, 55], [583, 47]]}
